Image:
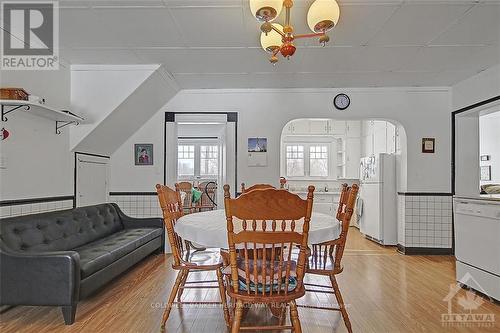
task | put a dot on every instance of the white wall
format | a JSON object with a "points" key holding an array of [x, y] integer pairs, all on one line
{"points": [[489, 144], [97, 90], [264, 113], [39, 162], [476, 88]]}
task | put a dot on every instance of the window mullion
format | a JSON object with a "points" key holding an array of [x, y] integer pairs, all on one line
{"points": [[197, 160]]}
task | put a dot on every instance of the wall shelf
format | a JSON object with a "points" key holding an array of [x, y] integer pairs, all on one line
{"points": [[62, 118]]}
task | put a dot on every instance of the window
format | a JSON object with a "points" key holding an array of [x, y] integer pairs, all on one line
{"points": [[306, 159], [295, 161], [197, 158], [318, 161], [209, 160], [185, 160]]}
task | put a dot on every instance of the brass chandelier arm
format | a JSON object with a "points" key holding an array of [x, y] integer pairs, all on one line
{"points": [[318, 34], [278, 31]]}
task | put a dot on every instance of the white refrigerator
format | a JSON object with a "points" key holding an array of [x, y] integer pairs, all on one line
{"points": [[379, 199]]}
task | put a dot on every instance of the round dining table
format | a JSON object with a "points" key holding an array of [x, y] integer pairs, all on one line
{"points": [[209, 228]]}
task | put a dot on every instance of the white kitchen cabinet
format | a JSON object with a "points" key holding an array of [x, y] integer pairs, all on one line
{"points": [[337, 127], [300, 127], [318, 126], [353, 129], [391, 138], [353, 155], [379, 137]]}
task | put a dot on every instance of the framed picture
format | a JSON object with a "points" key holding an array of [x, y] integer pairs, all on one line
{"points": [[143, 153], [257, 152], [257, 145], [486, 172], [428, 145], [485, 158]]}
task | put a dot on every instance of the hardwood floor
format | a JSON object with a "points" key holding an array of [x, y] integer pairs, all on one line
{"points": [[384, 291]]}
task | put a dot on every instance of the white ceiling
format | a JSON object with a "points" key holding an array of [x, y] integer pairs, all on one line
{"points": [[215, 43]]}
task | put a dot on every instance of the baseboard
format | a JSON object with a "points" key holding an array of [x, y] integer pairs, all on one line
{"points": [[440, 251]]}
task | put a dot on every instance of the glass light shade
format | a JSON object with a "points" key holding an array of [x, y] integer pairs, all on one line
{"points": [[272, 40], [323, 15], [266, 10]]}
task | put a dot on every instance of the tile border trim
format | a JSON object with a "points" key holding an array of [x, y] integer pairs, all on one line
{"points": [[35, 200]]}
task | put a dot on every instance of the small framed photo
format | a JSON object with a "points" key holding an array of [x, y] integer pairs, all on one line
{"points": [[485, 158], [143, 153], [486, 172], [428, 145], [257, 145]]}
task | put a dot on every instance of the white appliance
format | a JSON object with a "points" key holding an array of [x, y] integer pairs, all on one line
{"points": [[477, 245], [378, 194]]}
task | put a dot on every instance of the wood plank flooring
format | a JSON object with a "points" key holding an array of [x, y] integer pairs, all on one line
{"points": [[384, 291]]}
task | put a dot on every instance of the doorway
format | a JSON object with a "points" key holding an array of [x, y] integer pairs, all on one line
{"points": [[200, 149], [91, 179]]}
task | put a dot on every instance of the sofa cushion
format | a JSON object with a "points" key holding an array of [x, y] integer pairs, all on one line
{"points": [[99, 254], [60, 230]]}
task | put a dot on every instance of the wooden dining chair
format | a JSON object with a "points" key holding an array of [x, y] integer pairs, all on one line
{"points": [[186, 260], [255, 187], [264, 226], [207, 201], [187, 204], [326, 257]]}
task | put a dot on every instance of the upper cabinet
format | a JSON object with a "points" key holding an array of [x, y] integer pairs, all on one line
{"points": [[318, 126], [377, 137], [337, 127], [350, 129], [353, 129]]}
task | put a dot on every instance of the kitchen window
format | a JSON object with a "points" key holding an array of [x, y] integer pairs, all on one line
{"points": [[318, 161], [197, 159], [307, 160], [295, 161]]}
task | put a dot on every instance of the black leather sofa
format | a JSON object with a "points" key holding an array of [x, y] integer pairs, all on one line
{"points": [[60, 257]]}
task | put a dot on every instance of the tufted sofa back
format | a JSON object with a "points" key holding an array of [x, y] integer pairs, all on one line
{"points": [[59, 231]]}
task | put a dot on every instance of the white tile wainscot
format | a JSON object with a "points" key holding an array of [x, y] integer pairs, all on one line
{"points": [[427, 220], [12, 208], [137, 204]]}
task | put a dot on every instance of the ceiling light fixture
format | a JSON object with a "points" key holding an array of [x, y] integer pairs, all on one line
{"points": [[323, 16]]}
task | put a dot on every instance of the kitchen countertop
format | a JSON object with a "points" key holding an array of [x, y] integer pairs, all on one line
{"points": [[316, 192], [486, 197]]}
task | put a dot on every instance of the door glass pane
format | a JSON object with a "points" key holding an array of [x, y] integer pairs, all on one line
{"points": [[185, 166], [295, 161], [209, 160], [318, 161]]}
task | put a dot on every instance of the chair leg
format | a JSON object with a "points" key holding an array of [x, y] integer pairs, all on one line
{"points": [[183, 282], [343, 310], [222, 291], [235, 327], [282, 314], [294, 317], [171, 299]]}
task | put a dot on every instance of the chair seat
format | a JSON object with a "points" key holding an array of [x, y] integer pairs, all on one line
{"points": [[203, 259], [97, 255]]}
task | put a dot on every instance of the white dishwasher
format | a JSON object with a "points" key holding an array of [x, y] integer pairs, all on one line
{"points": [[477, 244]]}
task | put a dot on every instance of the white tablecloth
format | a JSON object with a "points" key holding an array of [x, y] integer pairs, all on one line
{"points": [[210, 229]]}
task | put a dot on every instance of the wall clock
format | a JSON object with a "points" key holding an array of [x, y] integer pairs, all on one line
{"points": [[341, 101]]}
